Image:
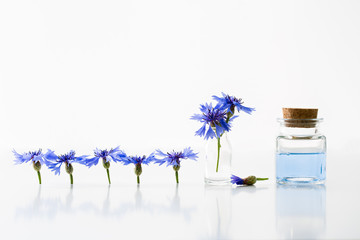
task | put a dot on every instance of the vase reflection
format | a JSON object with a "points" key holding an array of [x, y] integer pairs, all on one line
{"points": [[218, 210], [301, 211]]}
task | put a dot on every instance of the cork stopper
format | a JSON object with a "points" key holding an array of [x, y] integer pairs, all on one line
{"points": [[300, 117]]}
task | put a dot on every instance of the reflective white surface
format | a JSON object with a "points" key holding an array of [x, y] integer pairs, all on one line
{"points": [[184, 211]]}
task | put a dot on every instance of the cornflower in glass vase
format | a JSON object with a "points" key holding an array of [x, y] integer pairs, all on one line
{"points": [[174, 158], [216, 123], [114, 155], [138, 161], [54, 162], [230, 104], [37, 158]]}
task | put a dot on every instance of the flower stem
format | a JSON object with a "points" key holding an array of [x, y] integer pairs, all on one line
{"points": [[177, 176], [262, 179], [39, 176], [108, 174], [218, 155], [71, 179], [138, 179]]}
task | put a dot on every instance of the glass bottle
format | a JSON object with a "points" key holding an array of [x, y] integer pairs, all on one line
{"points": [[300, 152], [218, 161]]}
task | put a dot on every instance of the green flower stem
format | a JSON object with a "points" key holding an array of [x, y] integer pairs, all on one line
{"points": [[227, 119], [262, 179], [108, 174], [71, 179], [39, 176], [138, 179], [218, 155], [229, 114], [177, 176]]}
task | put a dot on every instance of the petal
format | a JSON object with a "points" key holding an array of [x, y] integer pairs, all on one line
{"points": [[21, 158], [114, 157], [54, 167], [126, 160], [97, 151], [81, 158], [160, 153], [247, 109], [91, 161], [39, 158], [108, 158], [216, 98], [201, 131], [225, 125], [219, 130], [210, 134], [150, 158], [120, 154], [220, 106], [188, 153], [162, 161], [236, 180], [115, 149], [50, 155], [198, 117]]}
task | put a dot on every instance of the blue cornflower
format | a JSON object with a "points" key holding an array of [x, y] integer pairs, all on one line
{"points": [[106, 155], [54, 162], [219, 118], [237, 180], [250, 180], [37, 158], [214, 119], [174, 158], [137, 161], [229, 103]]}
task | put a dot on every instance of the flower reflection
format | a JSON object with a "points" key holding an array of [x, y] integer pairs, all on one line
{"points": [[138, 198], [247, 189], [40, 207], [69, 199], [115, 204], [301, 211], [106, 204]]}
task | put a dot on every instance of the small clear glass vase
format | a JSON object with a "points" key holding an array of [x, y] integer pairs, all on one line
{"points": [[218, 161]]}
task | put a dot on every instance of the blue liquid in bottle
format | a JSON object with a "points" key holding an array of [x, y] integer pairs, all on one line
{"points": [[301, 167]]}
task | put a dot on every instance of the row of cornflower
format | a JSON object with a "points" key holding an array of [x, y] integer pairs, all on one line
{"points": [[215, 122], [54, 161]]}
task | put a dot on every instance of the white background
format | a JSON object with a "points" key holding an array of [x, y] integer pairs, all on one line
{"points": [[85, 74]]}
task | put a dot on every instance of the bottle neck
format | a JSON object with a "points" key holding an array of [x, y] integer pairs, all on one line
{"points": [[299, 132], [300, 128]]}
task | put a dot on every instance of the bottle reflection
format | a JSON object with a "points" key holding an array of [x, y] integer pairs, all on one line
{"points": [[301, 210], [218, 210]]}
